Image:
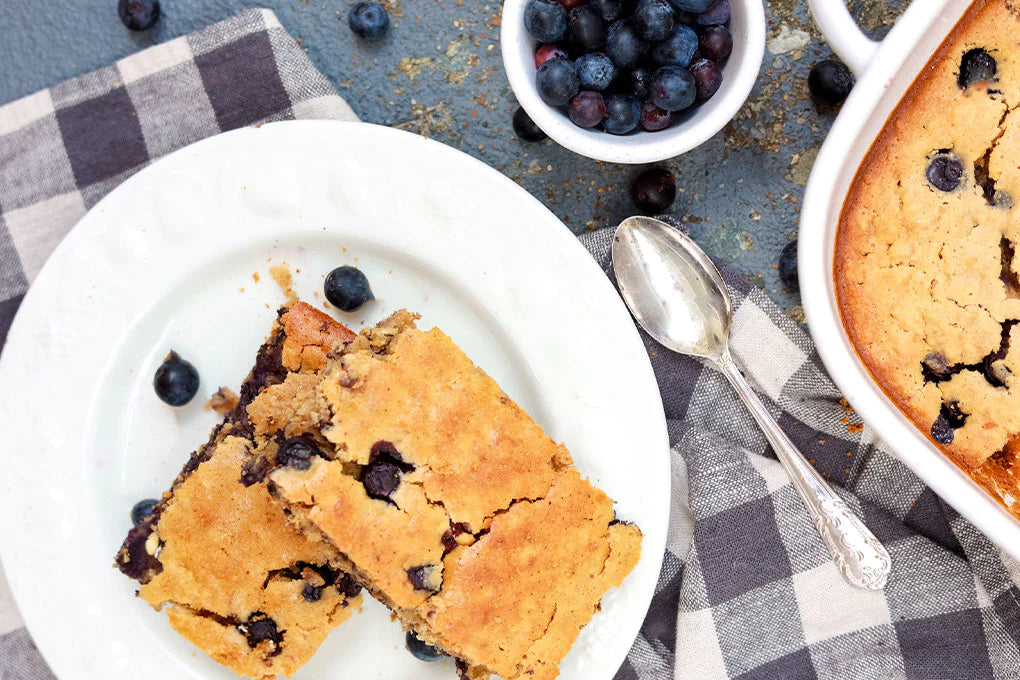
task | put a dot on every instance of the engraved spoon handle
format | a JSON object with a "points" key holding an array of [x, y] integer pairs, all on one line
{"points": [[860, 557]]}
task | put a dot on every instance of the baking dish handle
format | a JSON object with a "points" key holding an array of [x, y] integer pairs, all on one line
{"points": [[843, 34]]}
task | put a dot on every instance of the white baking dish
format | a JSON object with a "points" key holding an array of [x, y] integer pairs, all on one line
{"points": [[884, 70]]}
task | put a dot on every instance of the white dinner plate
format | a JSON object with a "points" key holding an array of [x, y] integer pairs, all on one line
{"points": [[169, 260]]}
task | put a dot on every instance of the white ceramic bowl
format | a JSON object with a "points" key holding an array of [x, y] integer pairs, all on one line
{"points": [[885, 71], [739, 75]]}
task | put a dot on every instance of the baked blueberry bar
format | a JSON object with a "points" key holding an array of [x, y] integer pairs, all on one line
{"points": [[218, 554], [444, 499]]}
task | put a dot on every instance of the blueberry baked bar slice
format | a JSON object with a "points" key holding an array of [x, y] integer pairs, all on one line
{"points": [[219, 556], [445, 499]]}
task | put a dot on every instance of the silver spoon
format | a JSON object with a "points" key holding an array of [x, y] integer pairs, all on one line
{"points": [[678, 296]]}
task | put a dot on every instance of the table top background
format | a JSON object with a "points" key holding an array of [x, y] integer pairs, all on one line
{"points": [[439, 73]]}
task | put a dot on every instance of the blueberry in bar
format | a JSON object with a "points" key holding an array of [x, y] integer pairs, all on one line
{"points": [[217, 554], [444, 499]]}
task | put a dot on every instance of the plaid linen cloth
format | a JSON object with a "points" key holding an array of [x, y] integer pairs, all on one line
{"points": [[746, 589]]}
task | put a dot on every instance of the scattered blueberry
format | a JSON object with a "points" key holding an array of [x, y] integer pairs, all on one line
{"points": [[653, 191], [368, 20], [545, 20], [653, 118], [176, 380], [977, 66], [296, 452], [587, 109], [673, 88], [707, 78], [586, 30], [142, 510], [420, 650], [609, 9], [624, 113], [716, 15], [830, 82], [526, 128], [623, 44], [788, 266], [347, 288], [716, 43], [595, 70], [557, 81], [677, 49], [138, 15], [547, 52], [944, 171], [692, 6], [636, 82], [654, 19]]}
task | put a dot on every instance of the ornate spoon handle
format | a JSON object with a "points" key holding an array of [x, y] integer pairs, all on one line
{"points": [[860, 557]]}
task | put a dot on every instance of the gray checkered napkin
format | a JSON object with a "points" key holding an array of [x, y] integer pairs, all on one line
{"points": [[746, 588]]}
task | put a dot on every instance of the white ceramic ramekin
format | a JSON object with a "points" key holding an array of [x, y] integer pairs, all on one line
{"points": [[885, 70], [739, 75]]}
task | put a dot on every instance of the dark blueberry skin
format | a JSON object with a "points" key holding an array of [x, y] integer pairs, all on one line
{"points": [[381, 479], [545, 20], [296, 452], [653, 191], [654, 19], [347, 288], [557, 81], [677, 49], [692, 6], [636, 82], [570, 4], [176, 380], [944, 171], [610, 10], [977, 66], [526, 128], [260, 628], [420, 650], [830, 82], [311, 593], [624, 46], [716, 15], [138, 15], [595, 70], [936, 368], [624, 113], [673, 88], [586, 31], [142, 510], [950, 419], [587, 109], [368, 20], [788, 266], [716, 43], [707, 78], [547, 52], [653, 118]]}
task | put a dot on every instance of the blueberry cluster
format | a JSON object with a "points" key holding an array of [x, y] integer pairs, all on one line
{"points": [[624, 64]]}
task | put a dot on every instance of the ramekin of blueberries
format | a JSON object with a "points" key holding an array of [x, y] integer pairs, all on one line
{"points": [[632, 81]]}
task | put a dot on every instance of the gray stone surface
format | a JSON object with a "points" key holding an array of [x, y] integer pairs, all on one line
{"points": [[439, 73]]}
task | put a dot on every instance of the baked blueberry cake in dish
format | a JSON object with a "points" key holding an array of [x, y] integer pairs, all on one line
{"points": [[926, 260], [218, 554]]}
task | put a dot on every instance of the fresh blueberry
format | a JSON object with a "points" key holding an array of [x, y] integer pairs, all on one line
{"points": [[673, 88], [637, 82], [609, 9], [653, 118], [545, 20], [692, 6], [547, 52], [368, 20], [977, 66], [595, 70], [420, 650], [716, 43], [677, 49], [623, 44], [138, 15], [296, 452], [830, 82], [142, 510], [654, 19], [557, 81], [716, 15], [586, 30], [526, 128], [347, 288], [587, 109], [788, 266], [653, 191], [707, 78], [944, 171], [624, 113], [176, 380]]}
